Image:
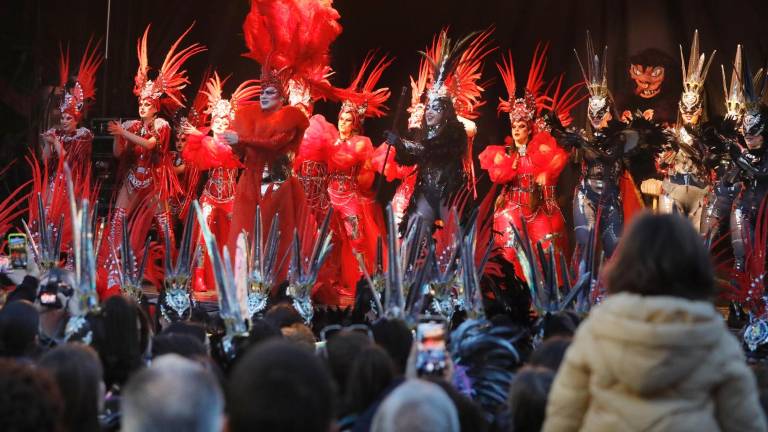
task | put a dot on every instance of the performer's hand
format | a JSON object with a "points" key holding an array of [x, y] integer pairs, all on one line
{"points": [[391, 137], [651, 187], [115, 128], [188, 129], [231, 138], [648, 114]]}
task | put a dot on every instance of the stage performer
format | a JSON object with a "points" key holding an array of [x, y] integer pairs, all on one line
{"points": [[69, 142], [751, 160], [683, 163], [289, 42], [528, 166], [723, 173], [142, 146], [606, 191], [347, 155], [432, 160], [202, 151]]}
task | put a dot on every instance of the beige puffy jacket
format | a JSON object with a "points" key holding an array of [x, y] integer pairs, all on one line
{"points": [[654, 364]]}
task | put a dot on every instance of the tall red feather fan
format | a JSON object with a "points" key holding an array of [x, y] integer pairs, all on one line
{"points": [[291, 37]]}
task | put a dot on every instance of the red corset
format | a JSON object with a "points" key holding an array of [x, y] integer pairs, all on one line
{"points": [[220, 186]]}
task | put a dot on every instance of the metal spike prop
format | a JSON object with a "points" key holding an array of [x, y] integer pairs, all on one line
{"points": [[302, 271]]}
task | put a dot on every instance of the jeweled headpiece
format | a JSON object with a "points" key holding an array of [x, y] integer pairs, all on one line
{"points": [[753, 121], [596, 79], [84, 89], [454, 70], [734, 94], [526, 106], [694, 77], [219, 107], [361, 97], [170, 79]]}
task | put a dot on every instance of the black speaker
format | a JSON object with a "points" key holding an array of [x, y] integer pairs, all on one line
{"points": [[104, 165]]}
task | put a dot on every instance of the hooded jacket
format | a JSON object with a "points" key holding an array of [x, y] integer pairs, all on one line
{"points": [[654, 363]]}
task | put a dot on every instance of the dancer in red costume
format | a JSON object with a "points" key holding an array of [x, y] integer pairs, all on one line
{"points": [[347, 155], [69, 142], [142, 146], [289, 39], [528, 165], [212, 153], [465, 92]]}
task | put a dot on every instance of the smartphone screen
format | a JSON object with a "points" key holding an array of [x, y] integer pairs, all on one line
{"points": [[17, 249], [431, 357]]}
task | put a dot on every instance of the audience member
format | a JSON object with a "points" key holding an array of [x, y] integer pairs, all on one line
{"points": [[77, 371], [19, 323], [656, 354], [416, 406], [29, 399], [528, 399], [278, 386], [174, 394]]}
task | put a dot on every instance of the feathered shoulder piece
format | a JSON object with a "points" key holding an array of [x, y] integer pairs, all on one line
{"points": [[226, 108], [171, 78], [361, 96], [290, 39], [532, 98], [84, 89]]}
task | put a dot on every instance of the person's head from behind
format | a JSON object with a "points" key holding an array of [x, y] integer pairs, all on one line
{"points": [[342, 349], [29, 399], [283, 315], [278, 386], [371, 373], [174, 394], [182, 344], [471, 415], [77, 371], [528, 396], [662, 255], [118, 339], [19, 323], [416, 406], [394, 336], [550, 354]]}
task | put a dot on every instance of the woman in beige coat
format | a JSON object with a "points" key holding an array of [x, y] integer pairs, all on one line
{"points": [[656, 355]]}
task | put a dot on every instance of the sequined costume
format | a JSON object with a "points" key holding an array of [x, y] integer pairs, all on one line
{"points": [[146, 172], [683, 163], [527, 170], [444, 98]]}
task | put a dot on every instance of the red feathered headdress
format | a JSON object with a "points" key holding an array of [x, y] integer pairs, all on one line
{"points": [[453, 71], [526, 107], [226, 108], [290, 39], [562, 103], [84, 90], [361, 97], [197, 116], [166, 88]]}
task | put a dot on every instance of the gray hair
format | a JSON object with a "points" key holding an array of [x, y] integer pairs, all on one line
{"points": [[174, 394], [416, 406]]}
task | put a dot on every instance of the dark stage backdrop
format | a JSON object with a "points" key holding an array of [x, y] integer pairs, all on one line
{"points": [[32, 30]]}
